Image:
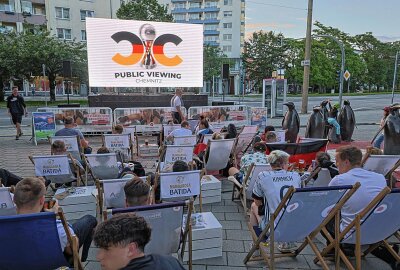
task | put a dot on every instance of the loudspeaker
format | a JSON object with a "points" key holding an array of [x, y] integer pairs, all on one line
{"points": [[225, 71], [67, 71]]}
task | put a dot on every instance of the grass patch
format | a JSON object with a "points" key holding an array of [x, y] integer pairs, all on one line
{"points": [[42, 103]]}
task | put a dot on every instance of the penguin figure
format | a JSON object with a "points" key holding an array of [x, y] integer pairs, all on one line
{"points": [[291, 123], [316, 124], [392, 131], [325, 114], [347, 121]]}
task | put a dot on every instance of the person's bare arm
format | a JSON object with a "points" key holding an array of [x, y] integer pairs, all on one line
{"points": [[258, 202]]}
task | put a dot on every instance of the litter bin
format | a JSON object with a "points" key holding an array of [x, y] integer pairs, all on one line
{"points": [[222, 103], [71, 105]]}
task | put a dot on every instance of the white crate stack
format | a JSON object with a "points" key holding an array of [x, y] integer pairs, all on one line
{"points": [[210, 190], [79, 203], [206, 237]]}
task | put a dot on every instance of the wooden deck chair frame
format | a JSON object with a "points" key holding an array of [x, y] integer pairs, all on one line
{"points": [[130, 142], [270, 258], [187, 233], [356, 224], [100, 194], [156, 185], [74, 165], [231, 158], [55, 138], [388, 174]]}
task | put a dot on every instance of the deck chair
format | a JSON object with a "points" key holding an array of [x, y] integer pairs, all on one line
{"points": [[173, 153], [378, 221], [7, 206], [72, 145], [185, 140], [120, 144], [244, 140], [111, 193], [169, 231], [32, 242], [253, 129], [167, 129], [177, 186], [382, 164], [103, 166], [246, 188], [59, 169], [317, 206], [206, 138], [218, 153], [323, 179]]}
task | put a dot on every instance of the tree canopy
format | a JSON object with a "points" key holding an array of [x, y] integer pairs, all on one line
{"points": [[144, 10]]}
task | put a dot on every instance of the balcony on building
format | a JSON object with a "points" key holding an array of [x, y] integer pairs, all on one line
{"points": [[177, 1], [196, 21], [211, 9], [181, 21], [194, 10], [211, 43], [8, 27], [211, 20], [211, 32], [179, 10]]}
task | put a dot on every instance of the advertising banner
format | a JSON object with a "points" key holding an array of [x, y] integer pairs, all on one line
{"points": [[56, 165], [43, 124], [180, 184], [258, 116], [87, 119], [128, 53], [235, 114]]}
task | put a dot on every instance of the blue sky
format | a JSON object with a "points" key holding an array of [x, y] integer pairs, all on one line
{"points": [[382, 18]]}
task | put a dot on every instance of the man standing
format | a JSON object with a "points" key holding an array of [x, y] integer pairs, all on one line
{"points": [[16, 109], [176, 105], [70, 130]]}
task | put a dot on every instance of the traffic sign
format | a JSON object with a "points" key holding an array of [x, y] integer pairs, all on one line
{"points": [[305, 63], [346, 75]]}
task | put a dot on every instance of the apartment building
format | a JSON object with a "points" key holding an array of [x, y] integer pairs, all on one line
{"points": [[14, 13]]}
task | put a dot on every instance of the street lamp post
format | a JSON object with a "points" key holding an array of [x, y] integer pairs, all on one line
{"points": [[395, 75], [341, 67], [307, 56]]}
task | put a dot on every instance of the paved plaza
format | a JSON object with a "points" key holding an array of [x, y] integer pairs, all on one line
{"points": [[236, 237]]}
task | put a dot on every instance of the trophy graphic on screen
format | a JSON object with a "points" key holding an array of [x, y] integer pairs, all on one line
{"points": [[148, 34]]}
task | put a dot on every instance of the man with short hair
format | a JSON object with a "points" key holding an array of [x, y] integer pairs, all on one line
{"points": [[176, 106], [70, 130], [137, 192], [180, 166], [121, 241], [348, 162], [16, 109], [29, 197], [184, 130]]}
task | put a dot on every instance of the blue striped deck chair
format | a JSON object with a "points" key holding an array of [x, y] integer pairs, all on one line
{"points": [[31, 242], [378, 221], [169, 230], [299, 217], [7, 206]]}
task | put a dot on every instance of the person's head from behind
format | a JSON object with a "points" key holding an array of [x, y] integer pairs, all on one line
{"points": [[259, 147], [69, 121], [103, 150], [58, 147], [232, 131], [180, 166], [178, 91], [322, 158], [203, 124], [121, 239], [29, 195], [216, 136], [279, 159], [270, 137], [370, 150], [268, 128], [347, 158], [118, 129], [185, 124], [137, 192]]}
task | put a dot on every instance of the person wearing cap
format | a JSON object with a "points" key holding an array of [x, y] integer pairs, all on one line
{"points": [[378, 141]]}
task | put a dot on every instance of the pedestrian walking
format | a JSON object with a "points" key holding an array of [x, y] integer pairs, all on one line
{"points": [[16, 109], [177, 105]]}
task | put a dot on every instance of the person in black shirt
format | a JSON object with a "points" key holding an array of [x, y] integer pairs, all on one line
{"points": [[121, 241], [16, 109]]}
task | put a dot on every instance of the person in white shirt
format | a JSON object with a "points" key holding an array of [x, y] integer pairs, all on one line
{"points": [[348, 162], [270, 187], [176, 106], [184, 130]]}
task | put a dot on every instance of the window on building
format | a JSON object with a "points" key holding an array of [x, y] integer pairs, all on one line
{"points": [[227, 36], [26, 7], [211, 27], [210, 4], [227, 48], [62, 13], [39, 10], [228, 2], [6, 29], [83, 35], [195, 5], [194, 16], [180, 5], [86, 13], [211, 38], [227, 13], [179, 17], [64, 33], [227, 25], [211, 15], [7, 6]]}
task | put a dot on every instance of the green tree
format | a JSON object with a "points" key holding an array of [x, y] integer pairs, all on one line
{"points": [[144, 10], [213, 60]]}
